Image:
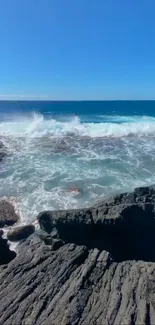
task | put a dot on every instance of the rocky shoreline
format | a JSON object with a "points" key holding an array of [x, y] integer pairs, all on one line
{"points": [[83, 267]]}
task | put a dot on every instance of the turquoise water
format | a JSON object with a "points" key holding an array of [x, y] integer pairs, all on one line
{"points": [[70, 154]]}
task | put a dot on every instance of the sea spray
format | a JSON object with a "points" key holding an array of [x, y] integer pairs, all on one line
{"points": [[98, 154]]}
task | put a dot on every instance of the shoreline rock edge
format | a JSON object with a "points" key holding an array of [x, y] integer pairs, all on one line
{"points": [[82, 283]]}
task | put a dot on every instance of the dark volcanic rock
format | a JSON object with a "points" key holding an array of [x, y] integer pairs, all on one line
{"points": [[6, 255], [123, 225], [20, 233], [8, 215], [87, 281], [75, 285], [71, 226]]}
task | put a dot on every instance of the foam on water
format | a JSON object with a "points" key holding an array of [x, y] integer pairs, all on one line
{"points": [[47, 158], [110, 126]]}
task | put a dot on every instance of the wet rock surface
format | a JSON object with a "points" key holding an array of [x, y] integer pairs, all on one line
{"points": [[84, 282], [8, 216]]}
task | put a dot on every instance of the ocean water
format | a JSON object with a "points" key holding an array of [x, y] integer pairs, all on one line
{"points": [[71, 154]]}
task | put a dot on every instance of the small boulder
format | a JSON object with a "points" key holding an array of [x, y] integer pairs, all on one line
{"points": [[20, 233], [8, 215]]}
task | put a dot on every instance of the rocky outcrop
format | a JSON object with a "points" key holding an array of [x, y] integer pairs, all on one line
{"points": [[20, 233], [8, 216], [75, 285], [85, 281], [6, 255], [123, 225]]}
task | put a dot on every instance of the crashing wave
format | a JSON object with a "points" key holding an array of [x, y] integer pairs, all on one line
{"points": [[110, 126]]}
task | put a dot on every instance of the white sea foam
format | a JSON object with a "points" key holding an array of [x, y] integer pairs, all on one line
{"points": [[36, 126], [47, 157]]}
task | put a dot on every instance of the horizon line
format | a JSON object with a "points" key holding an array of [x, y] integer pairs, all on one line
{"points": [[69, 100]]}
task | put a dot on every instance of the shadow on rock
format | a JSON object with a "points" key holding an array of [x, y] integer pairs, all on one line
{"points": [[6, 255]]}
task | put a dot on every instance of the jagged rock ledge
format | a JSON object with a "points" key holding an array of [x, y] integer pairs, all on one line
{"points": [[86, 267], [123, 225]]}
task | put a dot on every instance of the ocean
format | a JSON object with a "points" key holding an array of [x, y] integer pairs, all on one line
{"points": [[63, 155]]}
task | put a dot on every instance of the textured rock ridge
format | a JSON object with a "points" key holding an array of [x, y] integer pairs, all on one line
{"points": [[81, 282]]}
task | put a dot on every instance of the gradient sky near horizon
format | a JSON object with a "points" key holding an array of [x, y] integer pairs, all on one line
{"points": [[77, 49]]}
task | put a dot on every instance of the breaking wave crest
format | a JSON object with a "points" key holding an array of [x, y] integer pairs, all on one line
{"points": [[109, 126], [97, 155]]}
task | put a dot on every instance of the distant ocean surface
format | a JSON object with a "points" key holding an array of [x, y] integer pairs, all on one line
{"points": [[71, 154]]}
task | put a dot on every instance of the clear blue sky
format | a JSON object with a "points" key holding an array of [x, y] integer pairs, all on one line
{"points": [[77, 49]]}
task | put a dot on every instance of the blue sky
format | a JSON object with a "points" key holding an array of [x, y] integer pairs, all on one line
{"points": [[77, 49]]}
